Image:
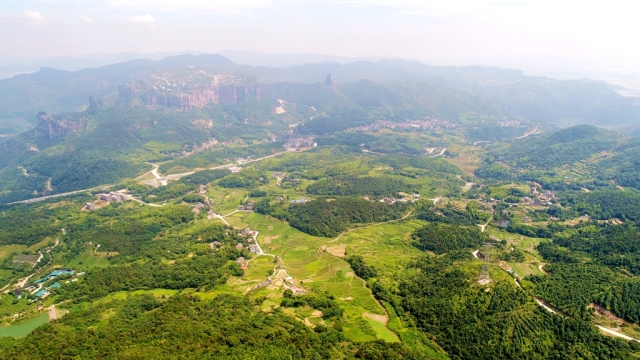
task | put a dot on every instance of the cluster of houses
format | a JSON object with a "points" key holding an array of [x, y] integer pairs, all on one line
{"points": [[509, 123], [297, 143], [197, 208], [416, 124], [302, 200], [242, 161], [246, 232], [247, 207], [539, 199], [114, 197], [205, 146], [391, 200], [38, 289], [264, 283], [110, 197], [297, 290]]}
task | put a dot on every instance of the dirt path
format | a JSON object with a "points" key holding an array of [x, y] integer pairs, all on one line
{"points": [[218, 216], [483, 227], [368, 226], [53, 314], [441, 153], [542, 270], [548, 307]]}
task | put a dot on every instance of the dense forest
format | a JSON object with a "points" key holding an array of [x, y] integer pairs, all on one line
{"points": [[574, 287], [351, 185], [442, 238], [444, 301], [330, 217], [566, 146], [131, 226], [227, 327], [607, 204]]}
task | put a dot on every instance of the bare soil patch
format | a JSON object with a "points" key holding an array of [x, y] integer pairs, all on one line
{"points": [[379, 318], [505, 266], [338, 250], [308, 323], [268, 239], [601, 311]]}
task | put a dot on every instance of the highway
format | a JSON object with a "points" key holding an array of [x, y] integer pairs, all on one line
{"points": [[154, 172], [29, 201]]}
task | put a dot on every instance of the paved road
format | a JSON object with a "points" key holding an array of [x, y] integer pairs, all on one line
{"points": [[154, 172], [29, 201], [532, 132]]}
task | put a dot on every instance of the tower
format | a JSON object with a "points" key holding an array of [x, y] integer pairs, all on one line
{"points": [[485, 277]]}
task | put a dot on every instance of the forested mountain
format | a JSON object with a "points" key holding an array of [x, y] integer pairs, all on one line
{"points": [[566, 146], [177, 107], [536, 98]]}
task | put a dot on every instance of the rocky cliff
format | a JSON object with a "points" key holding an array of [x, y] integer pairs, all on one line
{"points": [[59, 127], [191, 88]]}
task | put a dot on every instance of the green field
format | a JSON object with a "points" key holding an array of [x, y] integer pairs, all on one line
{"points": [[312, 268], [382, 332], [87, 260]]}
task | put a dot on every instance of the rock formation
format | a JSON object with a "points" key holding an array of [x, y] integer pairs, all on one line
{"points": [[96, 101], [329, 80], [190, 89], [59, 127]]}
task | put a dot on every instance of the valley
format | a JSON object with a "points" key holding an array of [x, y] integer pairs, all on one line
{"points": [[250, 218]]}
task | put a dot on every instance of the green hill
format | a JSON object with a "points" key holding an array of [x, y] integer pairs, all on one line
{"points": [[566, 146]]}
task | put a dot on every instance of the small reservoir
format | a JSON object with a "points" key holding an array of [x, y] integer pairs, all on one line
{"points": [[24, 328]]}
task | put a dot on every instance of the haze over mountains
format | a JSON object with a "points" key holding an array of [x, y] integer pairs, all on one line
{"points": [[537, 98], [100, 125]]}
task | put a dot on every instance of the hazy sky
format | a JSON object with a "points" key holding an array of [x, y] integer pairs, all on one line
{"points": [[537, 34]]}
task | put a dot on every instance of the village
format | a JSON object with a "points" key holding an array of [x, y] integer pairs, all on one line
{"points": [[433, 124]]}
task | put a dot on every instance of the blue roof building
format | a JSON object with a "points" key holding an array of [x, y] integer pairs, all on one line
{"points": [[59, 272]]}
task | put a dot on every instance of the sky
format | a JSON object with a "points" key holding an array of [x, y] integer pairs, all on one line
{"points": [[536, 36]]}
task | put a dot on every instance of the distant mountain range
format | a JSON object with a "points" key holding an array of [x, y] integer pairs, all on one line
{"points": [[561, 103], [101, 125]]}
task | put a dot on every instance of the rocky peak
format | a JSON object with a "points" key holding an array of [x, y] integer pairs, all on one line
{"points": [[329, 80], [55, 127]]}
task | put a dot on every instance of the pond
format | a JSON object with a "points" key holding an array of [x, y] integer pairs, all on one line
{"points": [[24, 328], [502, 223]]}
